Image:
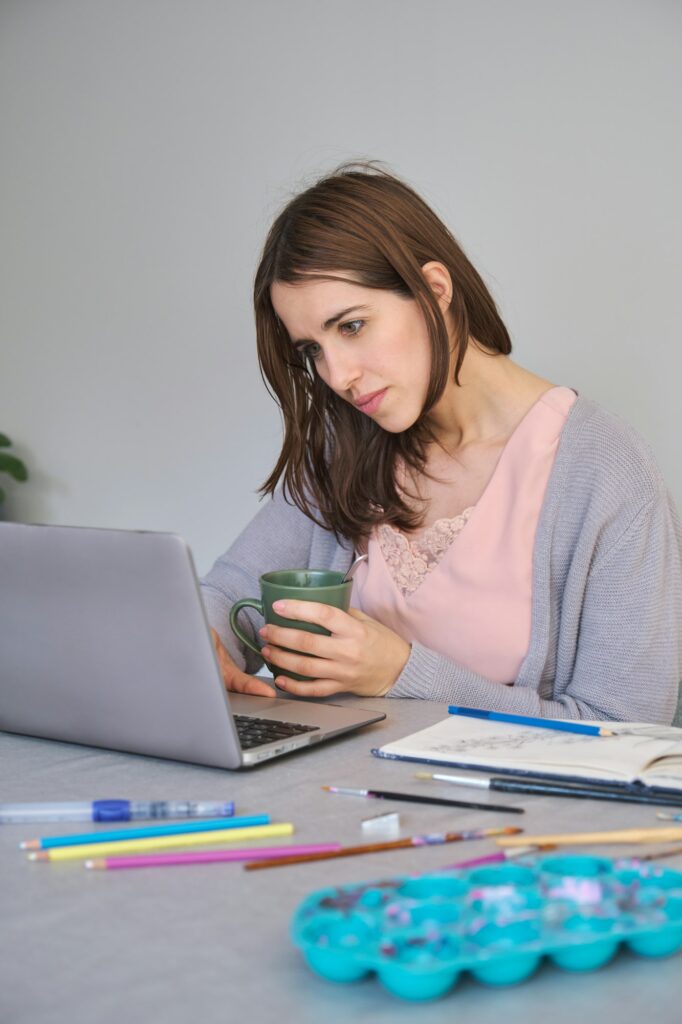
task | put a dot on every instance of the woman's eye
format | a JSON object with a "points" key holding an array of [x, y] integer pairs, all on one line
{"points": [[351, 323], [312, 351]]}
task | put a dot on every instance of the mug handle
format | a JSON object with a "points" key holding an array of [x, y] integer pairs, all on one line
{"points": [[246, 602]]}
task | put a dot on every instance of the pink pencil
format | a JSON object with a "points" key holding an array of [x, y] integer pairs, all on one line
{"points": [[161, 860], [495, 858]]}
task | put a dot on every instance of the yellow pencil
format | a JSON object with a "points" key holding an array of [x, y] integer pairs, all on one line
{"points": [[628, 835], [227, 835]]}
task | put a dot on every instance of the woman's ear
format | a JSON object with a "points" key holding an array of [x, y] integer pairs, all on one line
{"points": [[439, 281]]}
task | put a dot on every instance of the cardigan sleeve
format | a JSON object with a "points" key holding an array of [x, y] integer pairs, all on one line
{"points": [[628, 657], [278, 537]]}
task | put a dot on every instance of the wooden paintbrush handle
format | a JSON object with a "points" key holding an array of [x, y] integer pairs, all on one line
{"points": [[628, 835]]}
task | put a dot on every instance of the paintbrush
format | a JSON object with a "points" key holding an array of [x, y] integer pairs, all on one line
{"points": [[628, 835], [396, 844]]}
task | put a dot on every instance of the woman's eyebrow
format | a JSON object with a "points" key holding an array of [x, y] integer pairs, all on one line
{"points": [[330, 322]]}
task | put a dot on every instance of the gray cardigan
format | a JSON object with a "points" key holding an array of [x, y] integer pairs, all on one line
{"points": [[606, 633]]}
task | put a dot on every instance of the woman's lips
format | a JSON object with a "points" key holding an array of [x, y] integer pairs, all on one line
{"points": [[370, 403]]}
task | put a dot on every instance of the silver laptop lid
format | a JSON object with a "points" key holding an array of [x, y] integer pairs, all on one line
{"points": [[104, 641]]}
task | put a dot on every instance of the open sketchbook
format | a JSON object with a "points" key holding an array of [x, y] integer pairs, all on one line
{"points": [[639, 754]]}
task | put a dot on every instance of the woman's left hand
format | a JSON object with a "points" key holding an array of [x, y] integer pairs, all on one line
{"points": [[361, 656]]}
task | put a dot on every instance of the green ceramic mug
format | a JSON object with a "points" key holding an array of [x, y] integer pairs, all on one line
{"points": [[322, 585]]}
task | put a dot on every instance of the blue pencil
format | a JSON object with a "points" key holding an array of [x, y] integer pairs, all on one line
{"points": [[205, 825], [540, 723]]}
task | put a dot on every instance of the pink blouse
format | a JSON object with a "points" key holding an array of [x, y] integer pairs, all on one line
{"points": [[463, 587]]}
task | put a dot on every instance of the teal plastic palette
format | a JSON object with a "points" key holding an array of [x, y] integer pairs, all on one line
{"points": [[418, 934]]}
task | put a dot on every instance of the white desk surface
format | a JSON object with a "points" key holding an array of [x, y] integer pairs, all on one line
{"points": [[210, 943]]}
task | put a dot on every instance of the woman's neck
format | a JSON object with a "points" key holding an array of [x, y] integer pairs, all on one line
{"points": [[492, 398]]}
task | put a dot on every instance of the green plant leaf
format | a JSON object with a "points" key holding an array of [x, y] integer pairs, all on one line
{"points": [[4, 441], [15, 467]]}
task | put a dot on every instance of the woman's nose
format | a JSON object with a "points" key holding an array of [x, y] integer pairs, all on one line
{"points": [[342, 370]]}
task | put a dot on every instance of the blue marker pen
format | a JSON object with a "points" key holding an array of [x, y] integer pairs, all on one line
{"points": [[538, 723], [113, 810]]}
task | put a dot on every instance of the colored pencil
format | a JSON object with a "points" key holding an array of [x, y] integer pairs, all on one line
{"points": [[115, 835], [538, 723], [88, 850], [628, 835], [162, 860], [415, 798], [675, 852], [396, 844], [546, 787], [494, 858]]}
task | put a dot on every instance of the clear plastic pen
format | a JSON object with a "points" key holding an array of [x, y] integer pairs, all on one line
{"points": [[113, 810]]}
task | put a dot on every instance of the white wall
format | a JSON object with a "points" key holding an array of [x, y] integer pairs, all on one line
{"points": [[147, 144]]}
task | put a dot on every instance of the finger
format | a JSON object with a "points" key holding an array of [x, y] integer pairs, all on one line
{"points": [[333, 619], [316, 688], [240, 682], [300, 663], [248, 684], [259, 689], [299, 640]]}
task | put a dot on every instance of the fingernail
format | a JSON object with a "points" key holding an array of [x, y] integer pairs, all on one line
{"points": [[263, 631], [279, 606]]}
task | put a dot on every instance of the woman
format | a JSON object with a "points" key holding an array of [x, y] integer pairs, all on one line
{"points": [[524, 554]]}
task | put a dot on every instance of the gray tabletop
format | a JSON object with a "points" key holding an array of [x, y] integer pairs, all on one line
{"points": [[211, 943]]}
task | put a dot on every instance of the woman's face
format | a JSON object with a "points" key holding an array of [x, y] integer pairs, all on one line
{"points": [[369, 346]]}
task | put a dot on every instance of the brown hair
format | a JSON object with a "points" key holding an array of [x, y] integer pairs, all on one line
{"points": [[362, 220]]}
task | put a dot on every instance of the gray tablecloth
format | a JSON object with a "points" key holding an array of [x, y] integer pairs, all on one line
{"points": [[211, 943]]}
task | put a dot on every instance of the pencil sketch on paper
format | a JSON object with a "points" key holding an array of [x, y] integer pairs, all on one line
{"points": [[519, 740], [648, 732]]}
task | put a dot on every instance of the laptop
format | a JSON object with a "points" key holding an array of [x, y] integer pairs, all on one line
{"points": [[104, 641]]}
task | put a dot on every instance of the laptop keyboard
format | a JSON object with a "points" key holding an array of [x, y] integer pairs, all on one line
{"points": [[254, 732]]}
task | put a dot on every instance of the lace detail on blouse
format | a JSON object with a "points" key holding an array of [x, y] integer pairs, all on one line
{"points": [[410, 561]]}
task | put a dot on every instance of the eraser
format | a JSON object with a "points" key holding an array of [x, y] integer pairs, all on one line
{"points": [[382, 824]]}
